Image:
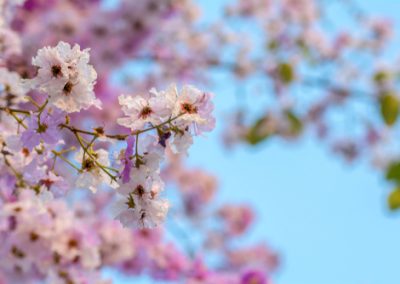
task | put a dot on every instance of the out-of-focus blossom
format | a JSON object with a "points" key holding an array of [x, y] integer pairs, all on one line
{"points": [[42, 128]]}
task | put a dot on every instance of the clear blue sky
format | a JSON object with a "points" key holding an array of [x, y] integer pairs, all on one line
{"points": [[327, 219]]}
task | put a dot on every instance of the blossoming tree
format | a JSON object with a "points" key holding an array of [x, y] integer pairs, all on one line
{"points": [[88, 144]]}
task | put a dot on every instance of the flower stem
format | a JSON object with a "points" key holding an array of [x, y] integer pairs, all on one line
{"points": [[58, 154]]}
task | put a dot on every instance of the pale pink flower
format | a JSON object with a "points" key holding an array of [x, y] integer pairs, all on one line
{"points": [[92, 175], [66, 76], [11, 89], [141, 110]]}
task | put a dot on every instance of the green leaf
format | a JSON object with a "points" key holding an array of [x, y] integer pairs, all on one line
{"points": [[394, 199], [390, 105], [380, 77], [393, 172], [296, 125], [259, 131], [286, 73], [272, 45]]}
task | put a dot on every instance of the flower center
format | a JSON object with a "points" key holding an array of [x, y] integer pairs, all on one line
{"points": [[47, 182], [137, 25], [17, 252], [88, 164], [42, 128], [72, 243], [56, 71], [33, 236], [25, 152], [188, 108], [7, 88], [145, 112], [139, 190], [68, 88]]}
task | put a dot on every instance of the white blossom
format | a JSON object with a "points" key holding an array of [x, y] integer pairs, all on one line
{"points": [[66, 76], [139, 110], [147, 213], [92, 175], [11, 87], [188, 104], [182, 142]]}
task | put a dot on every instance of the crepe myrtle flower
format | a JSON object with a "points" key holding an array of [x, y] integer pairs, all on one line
{"points": [[140, 205], [167, 262], [117, 242], [181, 142], [54, 183], [236, 218], [142, 164], [142, 109], [64, 73], [193, 107], [42, 128], [142, 183], [34, 171], [142, 213], [11, 90], [92, 176]]}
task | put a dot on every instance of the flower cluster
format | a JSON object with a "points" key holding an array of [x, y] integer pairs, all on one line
{"points": [[177, 118], [43, 237], [157, 121]]}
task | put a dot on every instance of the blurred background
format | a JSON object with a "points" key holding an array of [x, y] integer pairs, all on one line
{"points": [[327, 219], [320, 167]]}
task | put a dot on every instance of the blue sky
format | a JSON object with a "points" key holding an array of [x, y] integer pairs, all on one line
{"points": [[327, 219]]}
